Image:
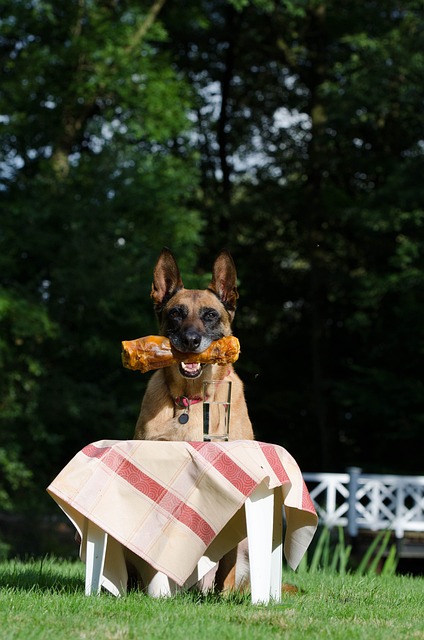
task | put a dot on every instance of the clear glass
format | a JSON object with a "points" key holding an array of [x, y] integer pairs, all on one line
{"points": [[216, 410]]}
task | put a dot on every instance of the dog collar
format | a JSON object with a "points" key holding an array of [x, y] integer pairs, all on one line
{"points": [[186, 402]]}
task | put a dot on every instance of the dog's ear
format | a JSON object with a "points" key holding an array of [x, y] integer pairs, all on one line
{"points": [[224, 281], [166, 279]]}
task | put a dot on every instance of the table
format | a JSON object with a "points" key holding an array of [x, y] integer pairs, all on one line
{"points": [[173, 509]]}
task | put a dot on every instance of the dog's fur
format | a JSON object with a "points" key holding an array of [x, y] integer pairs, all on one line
{"points": [[192, 319]]}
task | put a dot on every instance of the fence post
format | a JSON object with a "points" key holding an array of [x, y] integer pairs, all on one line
{"points": [[352, 524]]}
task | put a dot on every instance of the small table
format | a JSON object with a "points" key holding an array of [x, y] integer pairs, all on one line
{"points": [[173, 509]]}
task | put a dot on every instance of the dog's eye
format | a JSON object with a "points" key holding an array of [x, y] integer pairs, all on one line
{"points": [[211, 314], [177, 314]]}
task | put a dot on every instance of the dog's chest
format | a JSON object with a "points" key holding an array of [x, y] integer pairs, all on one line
{"points": [[187, 423]]}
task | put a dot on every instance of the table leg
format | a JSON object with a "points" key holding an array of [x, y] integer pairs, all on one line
{"points": [[259, 520], [96, 541], [277, 547], [160, 586]]}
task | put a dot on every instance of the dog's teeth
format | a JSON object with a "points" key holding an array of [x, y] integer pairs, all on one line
{"points": [[190, 366]]}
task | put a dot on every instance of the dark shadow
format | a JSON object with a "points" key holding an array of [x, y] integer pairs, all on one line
{"points": [[40, 575], [28, 536]]}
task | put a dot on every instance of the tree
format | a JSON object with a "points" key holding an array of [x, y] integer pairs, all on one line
{"points": [[96, 178], [296, 132], [325, 221]]}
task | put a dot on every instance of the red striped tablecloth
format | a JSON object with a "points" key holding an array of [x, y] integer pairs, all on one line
{"points": [[169, 504]]}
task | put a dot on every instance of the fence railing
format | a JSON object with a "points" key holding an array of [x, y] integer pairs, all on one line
{"points": [[368, 501]]}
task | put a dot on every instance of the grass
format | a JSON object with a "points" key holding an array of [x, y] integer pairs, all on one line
{"points": [[44, 599]]}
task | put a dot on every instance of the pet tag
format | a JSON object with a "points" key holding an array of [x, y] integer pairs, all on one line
{"points": [[183, 418]]}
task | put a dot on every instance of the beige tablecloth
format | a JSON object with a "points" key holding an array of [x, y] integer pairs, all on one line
{"points": [[172, 503]]}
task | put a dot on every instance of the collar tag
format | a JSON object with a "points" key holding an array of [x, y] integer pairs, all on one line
{"points": [[185, 402]]}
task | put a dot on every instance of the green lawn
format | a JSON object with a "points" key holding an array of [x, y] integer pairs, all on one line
{"points": [[45, 600]]}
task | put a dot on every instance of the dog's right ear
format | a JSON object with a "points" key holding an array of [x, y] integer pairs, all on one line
{"points": [[166, 279]]}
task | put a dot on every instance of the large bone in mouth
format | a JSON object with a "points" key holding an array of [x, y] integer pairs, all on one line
{"points": [[156, 352]]}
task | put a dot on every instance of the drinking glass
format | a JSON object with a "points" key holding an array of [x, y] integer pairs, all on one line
{"points": [[216, 410]]}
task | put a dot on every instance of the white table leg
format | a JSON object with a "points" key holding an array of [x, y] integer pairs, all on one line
{"points": [[277, 547], [259, 520], [160, 586], [95, 558]]}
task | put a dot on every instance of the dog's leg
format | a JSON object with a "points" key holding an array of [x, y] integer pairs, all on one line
{"points": [[225, 579], [243, 566], [233, 571], [207, 583]]}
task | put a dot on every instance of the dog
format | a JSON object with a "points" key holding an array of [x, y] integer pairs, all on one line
{"points": [[192, 319]]}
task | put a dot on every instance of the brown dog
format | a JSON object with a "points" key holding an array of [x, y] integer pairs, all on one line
{"points": [[192, 319]]}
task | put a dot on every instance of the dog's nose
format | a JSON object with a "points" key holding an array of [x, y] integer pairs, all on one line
{"points": [[191, 340]]}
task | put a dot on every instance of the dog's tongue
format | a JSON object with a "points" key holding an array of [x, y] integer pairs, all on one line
{"points": [[191, 366]]}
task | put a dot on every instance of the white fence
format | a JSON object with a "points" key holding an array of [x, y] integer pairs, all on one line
{"points": [[368, 501]]}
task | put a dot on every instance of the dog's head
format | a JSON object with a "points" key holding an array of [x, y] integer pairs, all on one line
{"points": [[192, 319]]}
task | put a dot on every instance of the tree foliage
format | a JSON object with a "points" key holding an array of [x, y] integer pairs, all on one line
{"points": [[96, 179], [320, 148], [290, 132]]}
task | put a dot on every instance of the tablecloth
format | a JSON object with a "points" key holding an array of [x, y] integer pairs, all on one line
{"points": [[172, 504]]}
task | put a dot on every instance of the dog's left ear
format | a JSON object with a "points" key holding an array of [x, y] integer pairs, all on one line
{"points": [[224, 281]]}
